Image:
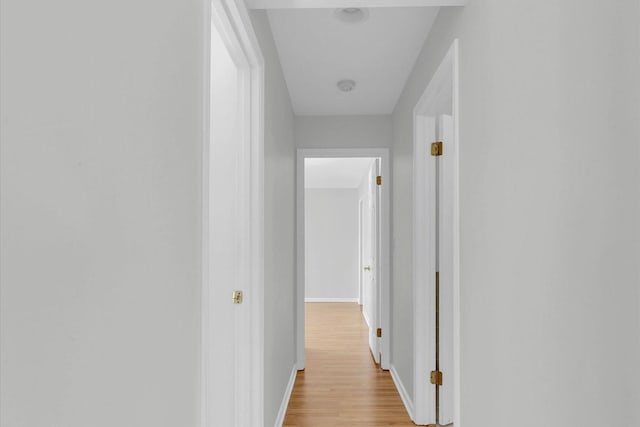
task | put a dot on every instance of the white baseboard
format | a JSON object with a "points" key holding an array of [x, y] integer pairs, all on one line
{"points": [[366, 319], [331, 300], [285, 399], [408, 404]]}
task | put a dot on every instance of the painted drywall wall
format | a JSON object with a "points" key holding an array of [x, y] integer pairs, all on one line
{"points": [[331, 243], [549, 210], [279, 183], [101, 144], [343, 131]]}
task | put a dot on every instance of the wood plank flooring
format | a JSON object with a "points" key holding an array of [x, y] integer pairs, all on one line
{"points": [[342, 385]]}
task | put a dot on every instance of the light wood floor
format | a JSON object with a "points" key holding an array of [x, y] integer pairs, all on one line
{"points": [[341, 385]]}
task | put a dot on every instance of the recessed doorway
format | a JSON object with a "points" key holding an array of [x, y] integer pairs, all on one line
{"points": [[343, 233]]}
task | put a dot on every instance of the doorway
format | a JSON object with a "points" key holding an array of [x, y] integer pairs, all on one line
{"points": [[369, 269], [341, 201], [437, 231], [232, 334]]}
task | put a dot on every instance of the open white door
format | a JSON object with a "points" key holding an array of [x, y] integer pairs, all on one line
{"points": [[376, 230], [436, 249], [370, 270], [361, 259], [222, 228], [232, 225], [445, 266], [377, 233]]}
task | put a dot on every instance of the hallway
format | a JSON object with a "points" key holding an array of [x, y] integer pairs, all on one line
{"points": [[341, 385]]}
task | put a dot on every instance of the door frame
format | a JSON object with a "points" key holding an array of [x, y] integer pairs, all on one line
{"points": [[384, 250], [360, 249], [443, 87], [234, 25]]}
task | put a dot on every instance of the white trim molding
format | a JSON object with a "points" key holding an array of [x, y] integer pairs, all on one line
{"points": [[402, 391], [282, 412], [332, 4], [384, 249], [443, 85], [366, 319], [352, 300], [231, 20]]}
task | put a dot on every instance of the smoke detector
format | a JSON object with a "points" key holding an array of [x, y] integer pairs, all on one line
{"points": [[352, 15], [346, 85]]}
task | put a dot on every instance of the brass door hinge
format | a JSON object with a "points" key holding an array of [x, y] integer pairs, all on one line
{"points": [[436, 377], [379, 332], [379, 180], [436, 148]]}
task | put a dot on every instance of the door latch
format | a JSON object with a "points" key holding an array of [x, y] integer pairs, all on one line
{"points": [[237, 297]]}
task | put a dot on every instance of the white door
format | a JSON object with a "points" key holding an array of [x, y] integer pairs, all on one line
{"points": [[370, 292], [377, 256], [445, 267], [361, 261], [221, 250]]}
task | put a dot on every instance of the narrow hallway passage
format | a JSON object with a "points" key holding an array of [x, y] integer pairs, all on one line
{"points": [[341, 385]]}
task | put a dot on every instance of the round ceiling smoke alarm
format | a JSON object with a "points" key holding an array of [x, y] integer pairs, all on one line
{"points": [[346, 85], [351, 15]]}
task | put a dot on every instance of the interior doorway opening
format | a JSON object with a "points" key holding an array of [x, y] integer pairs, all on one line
{"points": [[341, 236], [220, 228], [232, 330], [343, 232], [437, 244], [342, 291]]}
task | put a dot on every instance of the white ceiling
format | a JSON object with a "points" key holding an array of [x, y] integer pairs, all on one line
{"points": [[335, 172], [317, 50]]}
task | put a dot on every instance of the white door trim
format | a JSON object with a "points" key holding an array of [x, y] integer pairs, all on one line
{"points": [[384, 249], [443, 85], [233, 22], [360, 249], [333, 4]]}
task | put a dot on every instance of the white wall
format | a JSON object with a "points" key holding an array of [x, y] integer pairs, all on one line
{"points": [[549, 210], [101, 146], [343, 131], [279, 183], [331, 243]]}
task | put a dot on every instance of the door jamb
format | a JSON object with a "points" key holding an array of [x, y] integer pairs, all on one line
{"points": [[445, 83], [360, 249], [383, 251], [233, 22]]}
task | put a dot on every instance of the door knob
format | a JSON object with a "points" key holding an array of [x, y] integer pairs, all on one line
{"points": [[367, 268]]}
